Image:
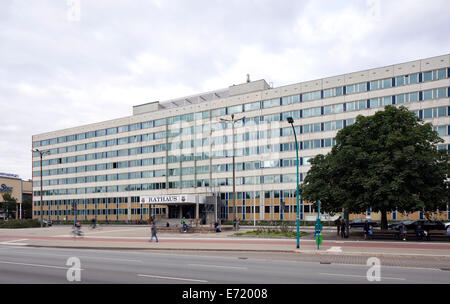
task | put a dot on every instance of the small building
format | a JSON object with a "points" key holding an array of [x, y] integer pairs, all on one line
{"points": [[18, 189]]}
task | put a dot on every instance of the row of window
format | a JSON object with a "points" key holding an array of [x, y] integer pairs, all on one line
{"points": [[112, 211], [345, 90], [251, 180], [441, 130], [172, 172], [271, 179], [318, 143], [163, 211], [256, 150], [310, 112]]}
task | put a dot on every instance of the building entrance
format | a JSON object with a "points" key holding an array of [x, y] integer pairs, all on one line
{"points": [[180, 211], [174, 212], [188, 211]]}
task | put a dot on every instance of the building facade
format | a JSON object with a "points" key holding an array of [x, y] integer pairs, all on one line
{"points": [[126, 169], [18, 189]]}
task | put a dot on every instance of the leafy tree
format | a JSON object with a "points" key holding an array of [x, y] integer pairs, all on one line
{"points": [[9, 203], [387, 161]]}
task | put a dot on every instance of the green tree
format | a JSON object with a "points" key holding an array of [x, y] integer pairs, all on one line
{"points": [[9, 203], [387, 161]]}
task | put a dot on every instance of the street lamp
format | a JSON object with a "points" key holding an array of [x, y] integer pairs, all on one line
{"points": [[291, 121], [41, 153], [232, 120]]}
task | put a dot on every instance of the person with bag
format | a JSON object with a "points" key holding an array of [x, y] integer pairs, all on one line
{"points": [[154, 230], [366, 229]]}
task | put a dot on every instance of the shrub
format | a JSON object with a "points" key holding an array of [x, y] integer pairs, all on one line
{"points": [[27, 223]]}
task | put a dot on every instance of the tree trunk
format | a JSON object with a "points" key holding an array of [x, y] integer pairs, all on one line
{"points": [[384, 223]]}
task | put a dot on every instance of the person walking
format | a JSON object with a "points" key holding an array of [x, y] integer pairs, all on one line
{"points": [[154, 230], [338, 225], [403, 232], [366, 229], [342, 228], [183, 222]]}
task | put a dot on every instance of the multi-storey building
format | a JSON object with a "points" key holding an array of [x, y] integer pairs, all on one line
{"points": [[171, 158]]}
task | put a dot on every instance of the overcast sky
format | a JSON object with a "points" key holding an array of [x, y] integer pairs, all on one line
{"points": [[66, 63]]}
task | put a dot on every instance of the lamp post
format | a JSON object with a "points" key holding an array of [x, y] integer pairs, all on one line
{"points": [[41, 153], [232, 120], [291, 121]]}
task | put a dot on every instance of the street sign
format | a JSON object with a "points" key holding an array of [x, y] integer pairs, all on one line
{"points": [[318, 226]]}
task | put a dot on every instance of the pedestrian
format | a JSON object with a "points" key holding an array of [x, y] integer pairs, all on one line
{"points": [[342, 228], [420, 233], [403, 232], [366, 229], [338, 225], [183, 222], [154, 230], [234, 223]]}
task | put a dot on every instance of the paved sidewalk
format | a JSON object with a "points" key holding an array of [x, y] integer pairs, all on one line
{"points": [[127, 237]]}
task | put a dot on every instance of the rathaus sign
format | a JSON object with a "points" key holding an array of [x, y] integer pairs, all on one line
{"points": [[167, 199]]}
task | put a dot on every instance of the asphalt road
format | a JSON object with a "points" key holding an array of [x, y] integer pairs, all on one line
{"points": [[49, 265]]}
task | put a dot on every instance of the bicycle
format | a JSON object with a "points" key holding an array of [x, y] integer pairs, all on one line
{"points": [[94, 226], [77, 232]]}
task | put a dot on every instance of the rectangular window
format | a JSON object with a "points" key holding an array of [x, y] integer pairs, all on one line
{"points": [[312, 112], [290, 99], [356, 88], [311, 96], [235, 109], [270, 103], [159, 122], [252, 106], [427, 95], [218, 112], [427, 76], [338, 108], [428, 113]]}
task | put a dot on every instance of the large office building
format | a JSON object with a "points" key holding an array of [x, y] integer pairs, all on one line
{"points": [[174, 158]]}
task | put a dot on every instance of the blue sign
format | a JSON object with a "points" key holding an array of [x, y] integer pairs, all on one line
{"points": [[5, 188], [318, 226]]}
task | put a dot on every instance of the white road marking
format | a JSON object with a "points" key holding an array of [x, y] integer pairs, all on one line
{"points": [[171, 278], [80, 256], [98, 232], [217, 266], [13, 242], [34, 265], [359, 276], [335, 249]]}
